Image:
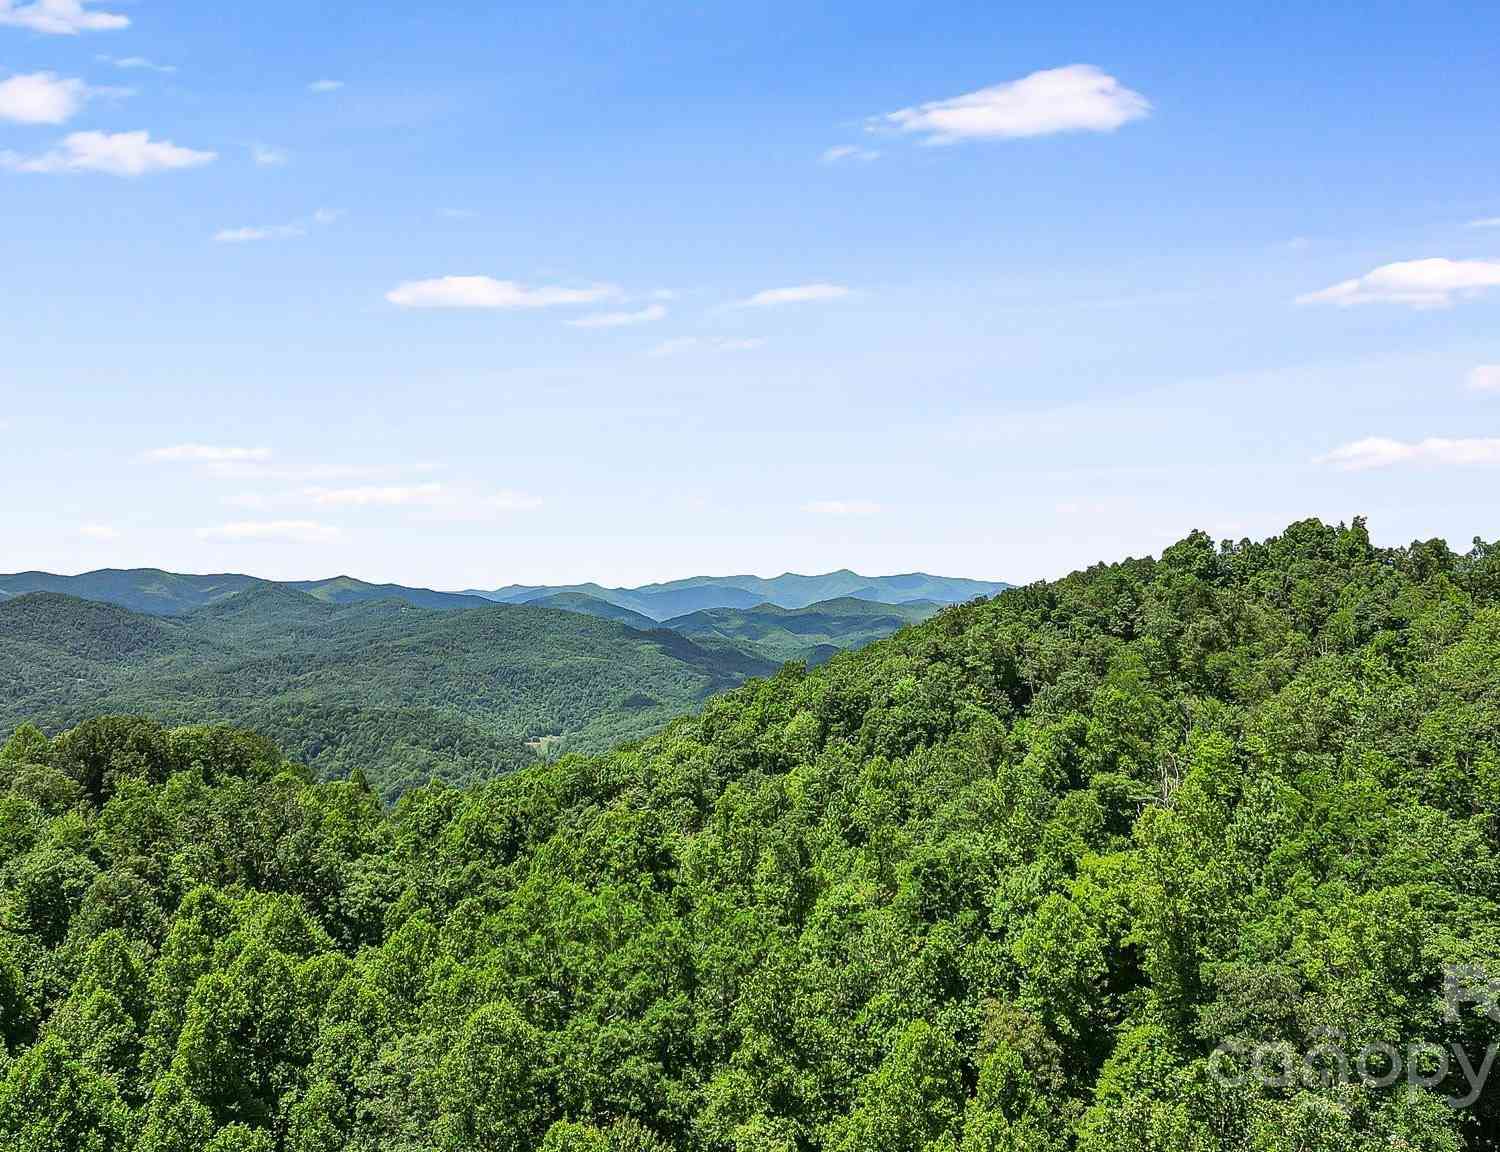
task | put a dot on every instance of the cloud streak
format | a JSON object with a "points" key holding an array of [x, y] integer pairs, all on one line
{"points": [[60, 17], [126, 154], [797, 294], [848, 153], [1077, 98], [263, 232], [258, 232], [621, 319], [1422, 284], [483, 292], [137, 64], [1379, 452]]}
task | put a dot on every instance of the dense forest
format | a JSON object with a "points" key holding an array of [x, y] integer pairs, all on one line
{"points": [[1013, 880], [404, 693], [812, 634]]}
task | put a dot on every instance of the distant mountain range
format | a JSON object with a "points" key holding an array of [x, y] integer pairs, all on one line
{"points": [[412, 682], [162, 593], [408, 693], [698, 593]]}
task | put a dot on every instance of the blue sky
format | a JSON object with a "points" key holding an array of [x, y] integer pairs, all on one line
{"points": [[463, 294]]}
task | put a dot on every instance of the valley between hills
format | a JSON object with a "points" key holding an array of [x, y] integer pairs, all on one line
{"points": [[412, 684]]}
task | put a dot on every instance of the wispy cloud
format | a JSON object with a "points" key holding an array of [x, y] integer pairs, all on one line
{"points": [[60, 17], [41, 98], [321, 86], [1485, 378], [484, 292], [1077, 98], [254, 233], [136, 64], [621, 319], [1430, 283], [797, 294], [1378, 452], [1485, 222], [848, 153], [207, 454], [116, 154], [259, 232], [842, 508], [267, 157], [100, 532], [297, 531]]}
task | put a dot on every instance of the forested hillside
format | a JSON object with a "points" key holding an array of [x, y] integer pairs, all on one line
{"points": [[403, 693], [1004, 882], [161, 593], [811, 634]]}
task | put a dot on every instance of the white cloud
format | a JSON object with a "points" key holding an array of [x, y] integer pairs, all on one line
{"points": [[325, 86], [1486, 222], [1078, 98], [1378, 452], [117, 154], [137, 64], [292, 231], [1430, 283], [457, 213], [484, 292], [100, 532], [743, 344], [207, 454], [267, 157], [845, 508], [262, 232], [1485, 378], [621, 319], [298, 531], [848, 153], [798, 294], [41, 98], [60, 17]]}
